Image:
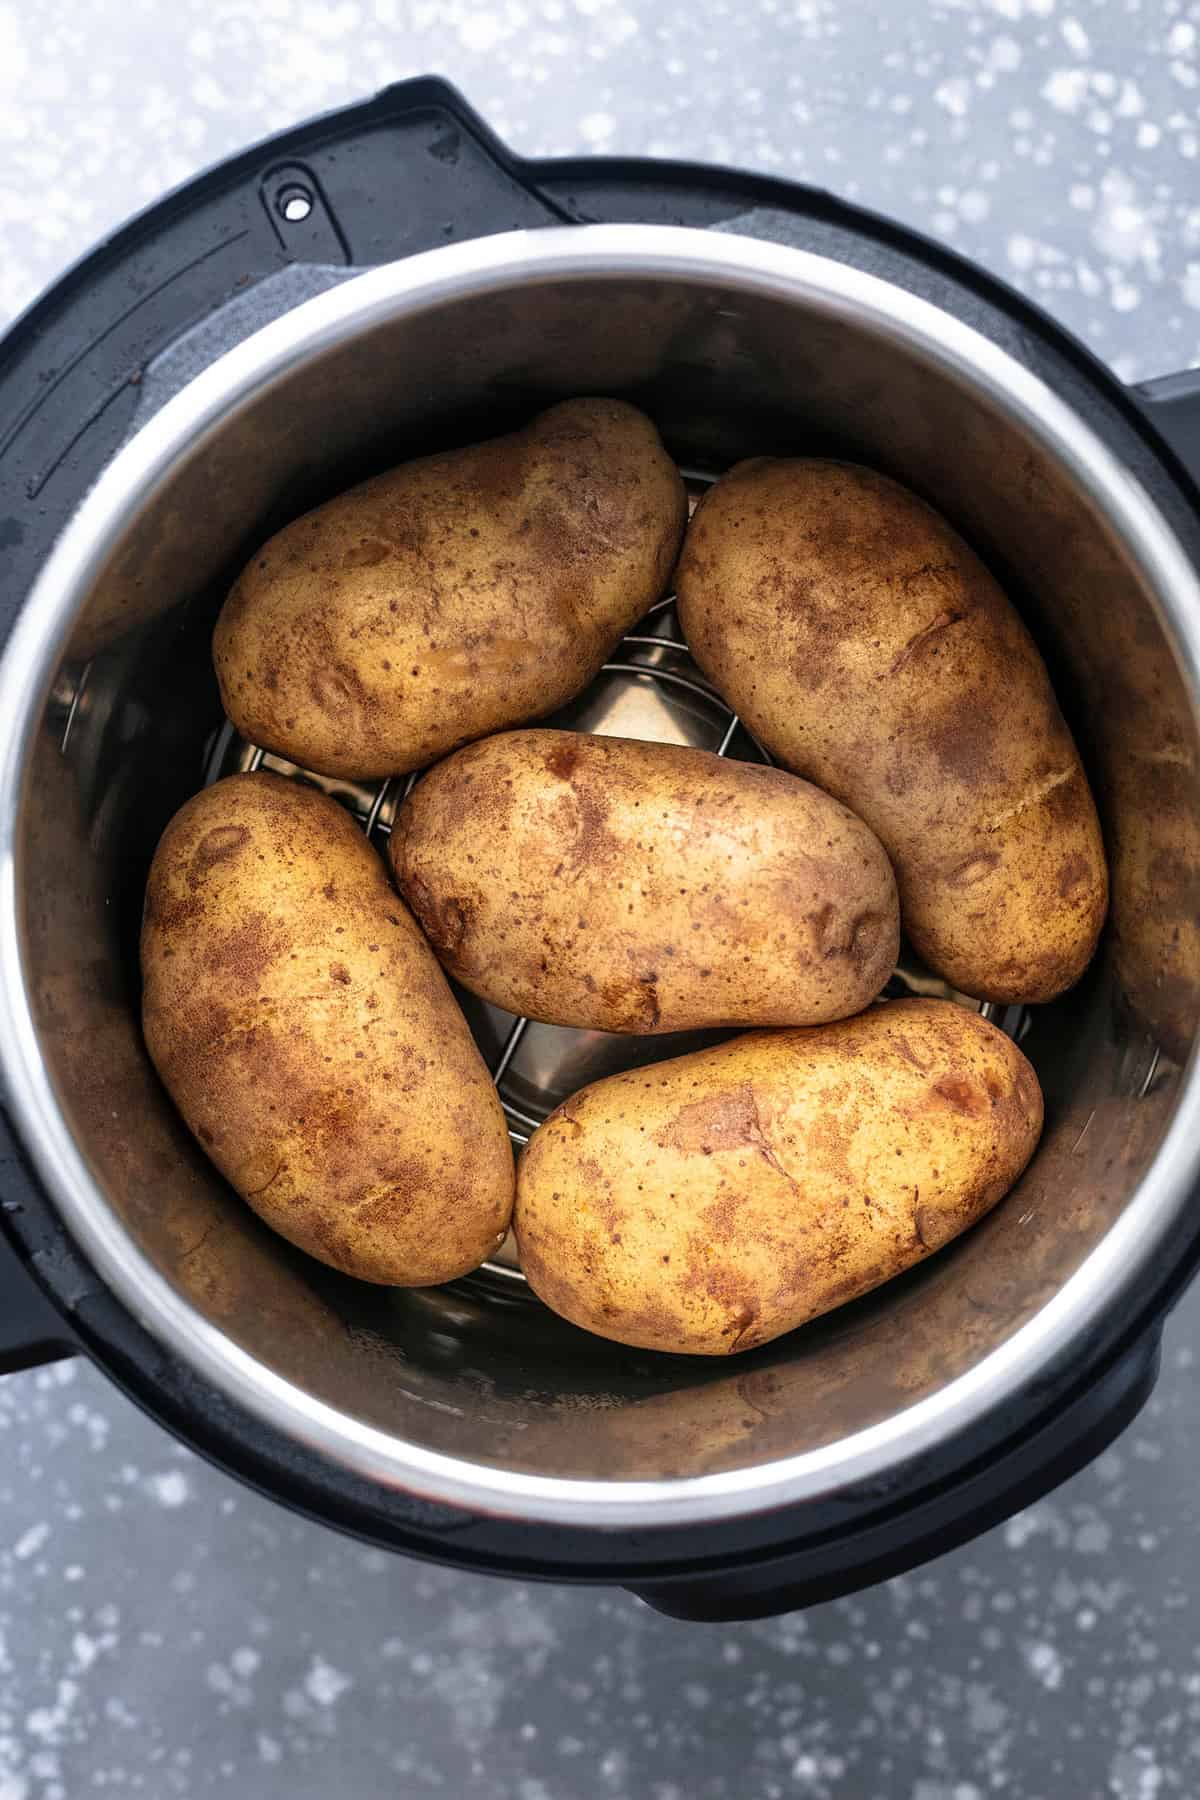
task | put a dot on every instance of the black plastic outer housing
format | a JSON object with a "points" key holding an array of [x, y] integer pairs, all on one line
{"points": [[404, 172]]}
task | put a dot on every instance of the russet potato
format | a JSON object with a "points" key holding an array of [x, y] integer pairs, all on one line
{"points": [[454, 595], [713, 1202], [307, 1035], [626, 886], [869, 649]]}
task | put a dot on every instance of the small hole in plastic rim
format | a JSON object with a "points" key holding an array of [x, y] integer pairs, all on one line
{"points": [[294, 203]]}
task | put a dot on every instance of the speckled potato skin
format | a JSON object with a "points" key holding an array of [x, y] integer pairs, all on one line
{"points": [[711, 1203], [870, 650], [625, 886], [306, 1033], [452, 596]]}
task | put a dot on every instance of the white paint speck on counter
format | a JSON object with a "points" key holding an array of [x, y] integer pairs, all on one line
{"points": [[170, 1488], [31, 1541], [324, 1684]]}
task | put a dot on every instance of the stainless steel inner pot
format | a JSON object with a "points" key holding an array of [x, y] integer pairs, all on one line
{"points": [[474, 1394]]}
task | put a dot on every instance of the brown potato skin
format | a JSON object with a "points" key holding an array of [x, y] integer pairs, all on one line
{"points": [[869, 649], [454, 595], [618, 885], [711, 1203], [306, 1033]]}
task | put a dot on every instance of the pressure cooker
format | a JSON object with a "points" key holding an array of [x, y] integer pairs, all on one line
{"points": [[390, 280]]}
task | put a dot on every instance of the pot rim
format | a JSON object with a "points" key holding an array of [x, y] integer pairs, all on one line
{"points": [[404, 289]]}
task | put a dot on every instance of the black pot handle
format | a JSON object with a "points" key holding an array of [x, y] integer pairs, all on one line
{"points": [[1172, 404], [412, 168], [899, 1539], [32, 1330]]}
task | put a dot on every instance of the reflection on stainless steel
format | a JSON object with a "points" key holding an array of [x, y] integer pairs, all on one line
{"points": [[475, 1394]]}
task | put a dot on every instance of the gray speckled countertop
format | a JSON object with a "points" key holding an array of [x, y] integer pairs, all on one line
{"points": [[164, 1631]]}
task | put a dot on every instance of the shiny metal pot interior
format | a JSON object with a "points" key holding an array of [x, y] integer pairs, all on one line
{"points": [[474, 1394]]}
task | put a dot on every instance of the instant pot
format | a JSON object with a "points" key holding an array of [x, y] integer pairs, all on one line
{"points": [[391, 280]]}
